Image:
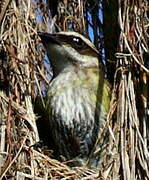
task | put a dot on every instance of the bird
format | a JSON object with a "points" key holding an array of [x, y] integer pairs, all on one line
{"points": [[78, 97]]}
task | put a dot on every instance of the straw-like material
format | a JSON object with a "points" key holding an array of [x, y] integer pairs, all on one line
{"points": [[23, 75]]}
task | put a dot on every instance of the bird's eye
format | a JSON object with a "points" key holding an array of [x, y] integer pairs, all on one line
{"points": [[77, 42]]}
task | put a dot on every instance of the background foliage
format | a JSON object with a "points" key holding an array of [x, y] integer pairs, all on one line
{"points": [[122, 34]]}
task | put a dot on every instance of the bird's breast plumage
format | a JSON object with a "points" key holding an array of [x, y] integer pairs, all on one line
{"points": [[74, 115], [78, 98]]}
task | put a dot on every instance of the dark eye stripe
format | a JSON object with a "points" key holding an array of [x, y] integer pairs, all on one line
{"points": [[76, 42]]}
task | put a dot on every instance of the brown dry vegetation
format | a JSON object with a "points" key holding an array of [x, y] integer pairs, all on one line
{"points": [[23, 75]]}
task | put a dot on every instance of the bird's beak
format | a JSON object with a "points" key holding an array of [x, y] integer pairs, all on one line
{"points": [[48, 38]]}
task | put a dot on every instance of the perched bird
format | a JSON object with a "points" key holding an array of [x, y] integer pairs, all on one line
{"points": [[78, 97]]}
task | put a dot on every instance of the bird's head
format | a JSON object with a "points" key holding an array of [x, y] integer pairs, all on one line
{"points": [[68, 50]]}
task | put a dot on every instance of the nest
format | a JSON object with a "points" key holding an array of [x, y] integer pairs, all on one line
{"points": [[23, 75]]}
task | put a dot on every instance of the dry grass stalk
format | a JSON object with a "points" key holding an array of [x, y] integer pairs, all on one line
{"points": [[129, 152], [23, 73]]}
